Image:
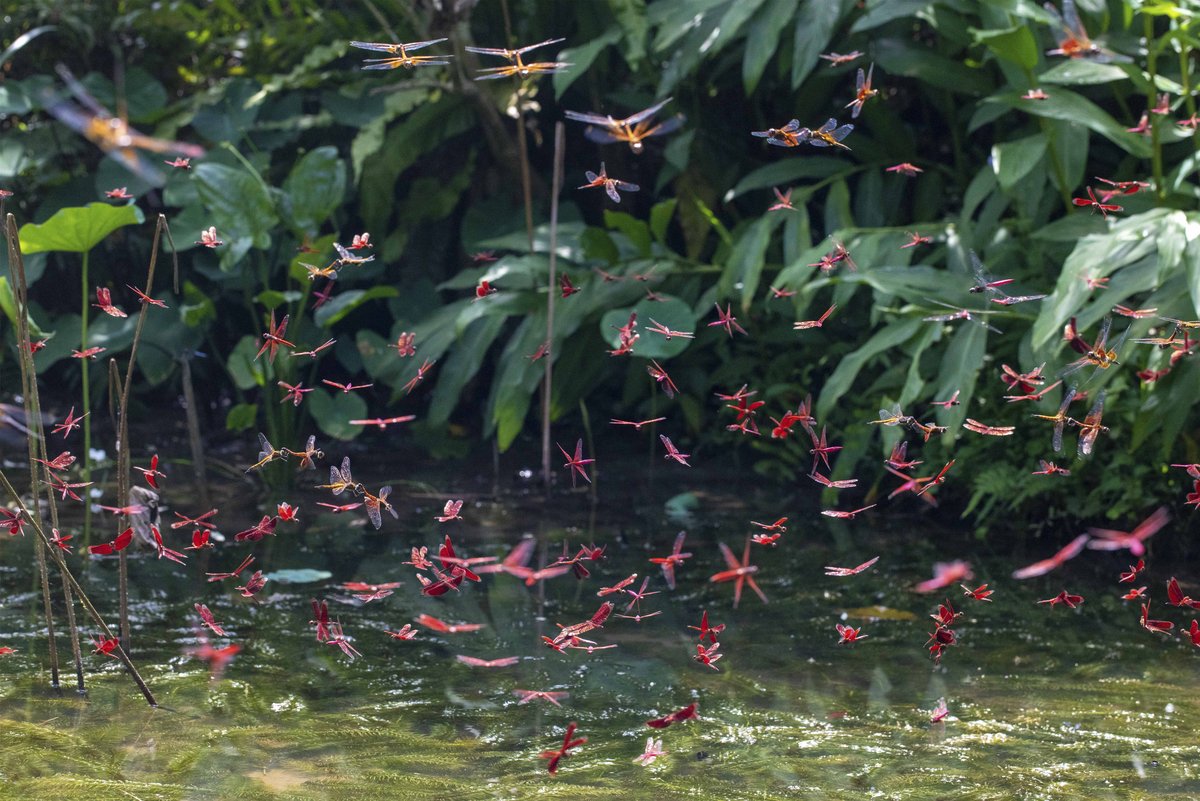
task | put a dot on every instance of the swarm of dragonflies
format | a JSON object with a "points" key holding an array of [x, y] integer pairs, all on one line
{"points": [[443, 570]]}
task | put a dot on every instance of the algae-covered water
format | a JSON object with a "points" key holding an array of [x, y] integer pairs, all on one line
{"points": [[1043, 703]]}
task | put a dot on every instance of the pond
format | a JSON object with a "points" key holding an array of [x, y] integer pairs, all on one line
{"points": [[1043, 702]]}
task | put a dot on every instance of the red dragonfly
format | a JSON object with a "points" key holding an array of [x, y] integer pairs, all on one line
{"points": [[1091, 200], [983, 281], [569, 742], [543, 350], [678, 716], [1041, 568], [253, 584], [123, 511], [208, 237], [384, 422], [60, 541], [399, 55], [664, 380], [992, 431], [1022, 382], [1175, 596], [946, 404], [200, 539], [111, 133], [633, 129], [345, 388], [179, 163], [899, 458], [1137, 314], [504, 661], [88, 353], [222, 576], [337, 510], [705, 630], [862, 91], [780, 294], [362, 586], [960, 314], [940, 712], [1049, 469], [1035, 94], [450, 512], [517, 67], [836, 59], [106, 646], [1064, 597], [120, 543], [1060, 418], [163, 550], [104, 303], [727, 320], [676, 557], [915, 239], [553, 696], [904, 168], [845, 483], [638, 424], [120, 193], [804, 325], [673, 452], [320, 619], [442, 626], [945, 574], [846, 515], [338, 638], [259, 530], [1135, 593], [151, 474], [207, 616], [576, 463], [1110, 540], [60, 462], [273, 338], [1131, 574], [596, 621], [1194, 634], [1157, 626], [821, 449], [611, 185], [656, 327], [404, 344], [146, 299], [740, 573], [848, 634], [849, 571], [784, 204], [419, 377], [70, 424], [651, 752], [938, 479], [708, 656], [67, 488], [980, 593], [565, 286]]}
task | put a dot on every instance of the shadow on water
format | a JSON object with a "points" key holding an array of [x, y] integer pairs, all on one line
{"points": [[1044, 703]]}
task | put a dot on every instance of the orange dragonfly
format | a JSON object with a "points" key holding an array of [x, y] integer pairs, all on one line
{"points": [[340, 479], [375, 503], [1060, 418], [611, 185], [1074, 41], [111, 133], [633, 129], [273, 338], [863, 91], [1090, 428], [401, 60], [790, 135], [1099, 354], [829, 134], [518, 67], [267, 453]]}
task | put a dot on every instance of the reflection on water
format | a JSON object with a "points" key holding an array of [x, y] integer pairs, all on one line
{"points": [[1042, 703]]}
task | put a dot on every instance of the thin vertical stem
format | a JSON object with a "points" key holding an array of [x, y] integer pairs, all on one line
{"points": [[548, 379], [86, 459], [1156, 163]]}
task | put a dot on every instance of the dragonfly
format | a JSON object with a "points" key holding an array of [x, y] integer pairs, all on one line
{"points": [[1109, 540], [146, 299], [992, 431], [726, 320], [69, 424], [708, 656], [518, 67], [848, 634], [960, 313], [1090, 427], [846, 515], [504, 661], [706, 630], [345, 388], [1074, 41], [904, 167], [783, 203], [569, 741], [668, 562], [116, 545], [111, 133], [652, 751], [849, 571], [450, 512], [273, 338], [611, 185], [576, 463], [679, 715], [862, 91], [400, 55], [829, 135], [152, 473], [660, 375], [1175, 596], [104, 303], [340, 479], [376, 503], [915, 238], [790, 135], [293, 393], [673, 452], [637, 424], [1091, 200], [553, 696], [836, 59], [209, 239], [384, 422], [267, 453], [740, 573], [632, 130], [804, 325], [656, 327], [1044, 566], [1065, 598], [1098, 354], [983, 281], [309, 455], [1049, 469]]}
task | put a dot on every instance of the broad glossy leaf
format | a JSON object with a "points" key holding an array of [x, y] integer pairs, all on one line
{"points": [[1014, 44], [1012, 161], [815, 25], [745, 264], [783, 173], [468, 355], [660, 218], [245, 371], [960, 365], [347, 301], [1193, 275], [241, 417], [762, 40], [333, 412], [238, 203], [581, 57], [881, 12], [1082, 72], [313, 189], [891, 335], [1063, 104], [77, 229]]}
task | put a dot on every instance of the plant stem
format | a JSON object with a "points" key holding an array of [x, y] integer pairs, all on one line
{"points": [[1151, 89], [86, 467], [74, 584], [548, 381]]}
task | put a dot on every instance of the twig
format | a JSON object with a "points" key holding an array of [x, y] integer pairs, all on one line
{"points": [[548, 380]]}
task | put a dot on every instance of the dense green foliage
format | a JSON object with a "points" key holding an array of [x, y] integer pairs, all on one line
{"points": [[303, 146]]}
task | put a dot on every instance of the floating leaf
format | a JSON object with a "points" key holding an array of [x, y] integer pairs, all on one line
{"points": [[77, 229]]}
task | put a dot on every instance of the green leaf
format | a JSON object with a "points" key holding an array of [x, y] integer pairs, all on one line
{"points": [[1014, 44], [273, 298], [370, 138], [660, 218], [637, 231], [238, 204], [464, 362], [782, 173], [961, 362], [815, 25], [581, 58], [247, 373], [313, 190], [8, 304], [881, 12], [1193, 274], [1082, 71], [241, 417], [197, 307], [345, 302], [745, 264], [670, 312], [1063, 104], [763, 40], [888, 337], [1012, 161], [77, 229], [333, 412]]}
